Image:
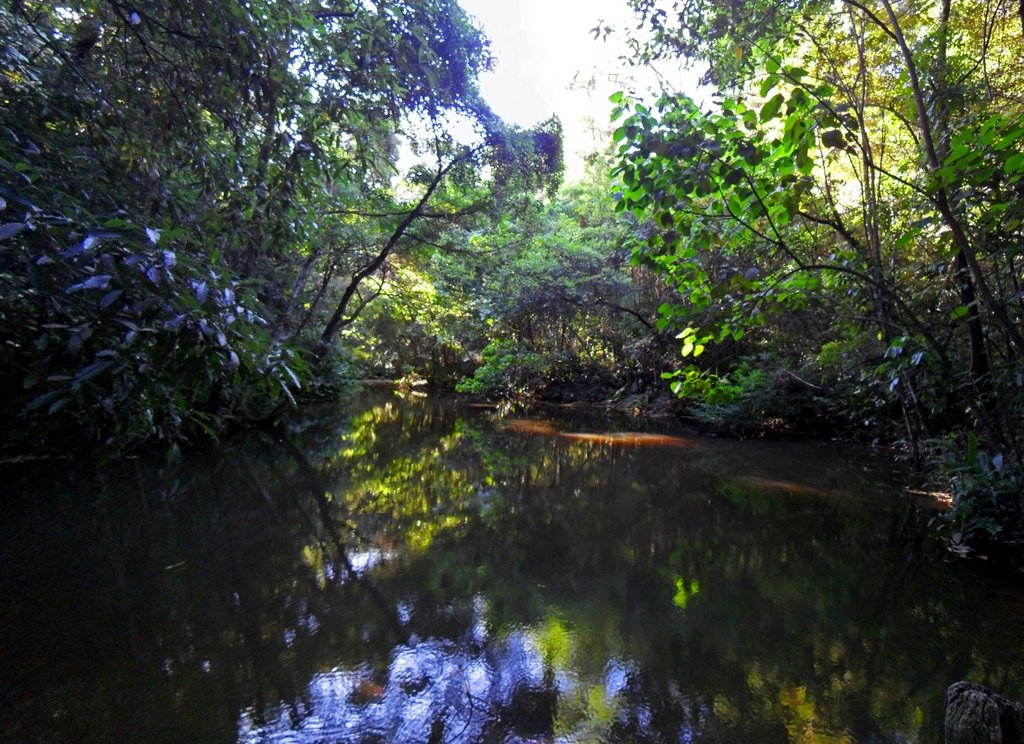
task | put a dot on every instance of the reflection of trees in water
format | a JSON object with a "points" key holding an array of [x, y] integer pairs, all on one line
{"points": [[417, 565], [766, 556]]}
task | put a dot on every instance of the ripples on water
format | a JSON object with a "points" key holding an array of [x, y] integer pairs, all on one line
{"points": [[414, 571]]}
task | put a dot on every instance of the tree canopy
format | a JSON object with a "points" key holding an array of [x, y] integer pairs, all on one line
{"points": [[185, 188]]}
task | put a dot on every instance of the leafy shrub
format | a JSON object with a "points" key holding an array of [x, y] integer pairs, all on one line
{"points": [[508, 371], [751, 398], [988, 504], [112, 337]]}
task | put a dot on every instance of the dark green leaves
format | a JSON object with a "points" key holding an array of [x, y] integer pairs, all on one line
{"points": [[833, 138], [771, 108]]}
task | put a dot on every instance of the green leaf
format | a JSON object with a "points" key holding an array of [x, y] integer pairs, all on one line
{"points": [[1009, 139], [1014, 163], [972, 449], [769, 82], [771, 109]]}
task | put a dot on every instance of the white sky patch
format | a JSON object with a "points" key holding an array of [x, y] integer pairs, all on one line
{"points": [[545, 57]]}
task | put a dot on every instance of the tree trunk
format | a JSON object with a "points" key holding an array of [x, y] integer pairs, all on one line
{"points": [[960, 239], [338, 319]]}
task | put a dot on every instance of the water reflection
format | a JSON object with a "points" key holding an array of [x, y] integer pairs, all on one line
{"points": [[418, 572], [616, 438]]}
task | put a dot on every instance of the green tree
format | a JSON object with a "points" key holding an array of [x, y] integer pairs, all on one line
{"points": [[851, 202], [181, 184], [566, 314]]}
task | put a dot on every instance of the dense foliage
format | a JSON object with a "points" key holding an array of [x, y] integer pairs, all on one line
{"points": [[851, 207], [541, 303], [195, 196]]}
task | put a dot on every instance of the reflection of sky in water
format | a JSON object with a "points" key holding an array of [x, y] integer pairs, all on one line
{"points": [[479, 619], [360, 561], [436, 688], [365, 560], [616, 677]]}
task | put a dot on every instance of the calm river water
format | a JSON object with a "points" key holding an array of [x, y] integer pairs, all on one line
{"points": [[418, 571]]}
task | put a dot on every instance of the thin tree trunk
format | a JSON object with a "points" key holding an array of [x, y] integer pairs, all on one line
{"points": [[960, 239], [338, 319]]}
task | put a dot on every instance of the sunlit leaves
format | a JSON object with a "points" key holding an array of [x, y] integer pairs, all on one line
{"points": [[692, 344], [811, 165], [718, 184], [771, 108], [981, 156], [685, 591]]}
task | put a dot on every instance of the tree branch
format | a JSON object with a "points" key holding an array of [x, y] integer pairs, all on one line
{"points": [[337, 320]]}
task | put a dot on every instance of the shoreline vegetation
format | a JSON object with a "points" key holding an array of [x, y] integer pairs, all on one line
{"points": [[207, 218]]}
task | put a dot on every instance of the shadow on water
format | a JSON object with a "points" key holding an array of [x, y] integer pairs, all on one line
{"points": [[419, 572]]}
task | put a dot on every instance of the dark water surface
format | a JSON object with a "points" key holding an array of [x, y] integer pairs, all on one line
{"points": [[415, 571]]}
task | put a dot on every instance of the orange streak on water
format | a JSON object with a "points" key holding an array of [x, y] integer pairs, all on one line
{"points": [[531, 426], [776, 486], [629, 439], [618, 438]]}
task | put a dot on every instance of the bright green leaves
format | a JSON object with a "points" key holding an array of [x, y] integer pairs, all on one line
{"points": [[722, 190], [983, 155], [1014, 166], [871, 171], [769, 82], [697, 383], [685, 590], [692, 343]]}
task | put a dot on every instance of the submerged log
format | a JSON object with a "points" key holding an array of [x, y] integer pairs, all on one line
{"points": [[976, 715]]}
